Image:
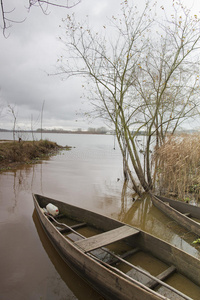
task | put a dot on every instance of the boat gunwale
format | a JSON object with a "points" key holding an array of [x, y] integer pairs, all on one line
{"points": [[181, 206]]}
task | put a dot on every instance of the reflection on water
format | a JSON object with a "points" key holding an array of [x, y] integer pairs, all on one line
{"points": [[87, 176]]}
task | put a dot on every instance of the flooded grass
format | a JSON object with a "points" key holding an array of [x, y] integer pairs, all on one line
{"points": [[15, 153]]}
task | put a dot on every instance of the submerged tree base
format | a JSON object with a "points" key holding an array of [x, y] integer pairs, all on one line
{"points": [[13, 154]]}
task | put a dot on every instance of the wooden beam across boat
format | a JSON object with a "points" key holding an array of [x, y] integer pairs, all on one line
{"points": [[76, 226], [162, 276], [106, 238], [124, 255]]}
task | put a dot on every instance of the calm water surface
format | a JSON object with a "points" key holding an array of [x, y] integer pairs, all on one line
{"points": [[90, 176]]}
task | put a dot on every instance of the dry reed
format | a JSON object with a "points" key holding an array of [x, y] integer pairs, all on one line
{"points": [[178, 169]]}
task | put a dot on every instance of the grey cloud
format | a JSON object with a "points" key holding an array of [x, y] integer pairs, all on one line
{"points": [[30, 52]]}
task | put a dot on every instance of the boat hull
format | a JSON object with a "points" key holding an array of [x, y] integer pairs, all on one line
{"points": [[176, 210], [102, 279]]}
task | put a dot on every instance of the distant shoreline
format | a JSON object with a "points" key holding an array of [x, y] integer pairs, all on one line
{"points": [[94, 131], [97, 131], [56, 131]]}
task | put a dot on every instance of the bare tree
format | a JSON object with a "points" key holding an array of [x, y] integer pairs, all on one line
{"points": [[136, 81], [12, 110], [168, 84], [6, 15], [42, 117]]}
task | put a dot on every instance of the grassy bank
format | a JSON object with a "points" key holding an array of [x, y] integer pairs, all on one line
{"points": [[13, 154]]}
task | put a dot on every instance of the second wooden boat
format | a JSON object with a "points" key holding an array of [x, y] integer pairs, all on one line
{"points": [[113, 257], [183, 213]]}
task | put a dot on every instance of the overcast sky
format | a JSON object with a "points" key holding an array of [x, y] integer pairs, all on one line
{"points": [[31, 51]]}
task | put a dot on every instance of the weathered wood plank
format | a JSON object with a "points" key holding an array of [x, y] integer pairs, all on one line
{"points": [[124, 255], [106, 238], [76, 226], [162, 276]]}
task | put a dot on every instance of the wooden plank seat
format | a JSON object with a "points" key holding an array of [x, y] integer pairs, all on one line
{"points": [[106, 238], [162, 276]]}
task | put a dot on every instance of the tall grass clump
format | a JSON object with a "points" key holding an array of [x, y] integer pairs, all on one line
{"points": [[26, 152], [178, 169]]}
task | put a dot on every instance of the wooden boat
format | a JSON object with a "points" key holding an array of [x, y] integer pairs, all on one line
{"points": [[183, 213], [101, 251]]}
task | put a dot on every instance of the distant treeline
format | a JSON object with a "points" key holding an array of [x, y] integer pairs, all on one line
{"points": [[89, 131], [101, 130]]}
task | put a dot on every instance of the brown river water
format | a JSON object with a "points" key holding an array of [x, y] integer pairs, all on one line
{"points": [[90, 176]]}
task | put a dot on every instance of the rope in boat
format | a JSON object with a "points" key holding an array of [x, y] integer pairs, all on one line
{"points": [[65, 225]]}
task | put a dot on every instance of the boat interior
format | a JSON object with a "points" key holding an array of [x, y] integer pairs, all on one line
{"points": [[112, 249]]}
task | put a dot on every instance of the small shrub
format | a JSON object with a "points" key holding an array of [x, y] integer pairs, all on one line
{"points": [[24, 152]]}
